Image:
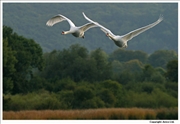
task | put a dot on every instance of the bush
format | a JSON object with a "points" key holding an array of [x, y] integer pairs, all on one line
{"points": [[113, 86], [82, 94], [142, 100], [6, 102], [49, 102], [88, 104], [64, 84], [125, 77], [36, 100], [163, 99], [66, 98], [157, 78], [168, 114], [107, 97], [154, 99]]}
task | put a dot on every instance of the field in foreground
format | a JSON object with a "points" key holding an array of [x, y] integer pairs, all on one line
{"points": [[105, 113]]}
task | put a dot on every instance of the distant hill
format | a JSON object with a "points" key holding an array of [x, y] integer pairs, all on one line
{"points": [[29, 19]]}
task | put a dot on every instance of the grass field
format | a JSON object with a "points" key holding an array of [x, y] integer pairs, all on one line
{"points": [[104, 113]]}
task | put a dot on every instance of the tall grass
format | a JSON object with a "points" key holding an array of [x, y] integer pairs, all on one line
{"points": [[105, 113]]}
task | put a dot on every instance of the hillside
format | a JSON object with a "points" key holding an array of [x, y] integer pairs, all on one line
{"points": [[29, 19]]}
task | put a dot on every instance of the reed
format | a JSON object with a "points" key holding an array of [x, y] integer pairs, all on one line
{"points": [[104, 113]]}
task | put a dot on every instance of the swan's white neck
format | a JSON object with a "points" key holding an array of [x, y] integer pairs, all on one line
{"points": [[111, 37], [67, 32]]}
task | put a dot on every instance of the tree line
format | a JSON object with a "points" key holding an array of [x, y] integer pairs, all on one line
{"points": [[75, 78]]}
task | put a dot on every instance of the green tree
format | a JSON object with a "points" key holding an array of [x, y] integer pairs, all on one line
{"points": [[126, 76], [77, 64], [29, 56], [7, 32], [172, 71], [148, 70], [113, 86], [81, 95], [63, 84], [66, 98], [117, 66], [37, 82], [163, 99], [107, 97], [73, 62], [127, 55], [133, 65], [103, 67], [151, 74], [160, 58], [9, 61]]}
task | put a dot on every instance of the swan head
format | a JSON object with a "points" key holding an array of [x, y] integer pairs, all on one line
{"points": [[63, 32], [107, 34], [83, 36]]}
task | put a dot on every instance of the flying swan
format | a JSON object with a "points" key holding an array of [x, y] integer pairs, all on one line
{"points": [[121, 41], [75, 31]]}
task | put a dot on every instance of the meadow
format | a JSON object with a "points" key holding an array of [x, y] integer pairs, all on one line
{"points": [[97, 114]]}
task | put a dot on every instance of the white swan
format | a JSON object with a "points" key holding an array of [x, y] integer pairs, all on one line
{"points": [[75, 31], [121, 41]]}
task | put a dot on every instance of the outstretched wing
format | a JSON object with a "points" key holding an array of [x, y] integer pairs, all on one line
{"points": [[105, 30], [138, 31], [87, 26], [59, 18]]}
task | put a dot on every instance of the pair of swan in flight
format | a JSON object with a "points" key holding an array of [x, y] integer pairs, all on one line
{"points": [[120, 41]]}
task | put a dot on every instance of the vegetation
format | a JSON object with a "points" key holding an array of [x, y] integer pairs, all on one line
{"points": [[111, 113], [75, 78], [20, 56], [29, 19]]}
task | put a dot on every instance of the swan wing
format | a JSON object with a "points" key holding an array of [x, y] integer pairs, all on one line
{"points": [[87, 26], [105, 30], [138, 31], [59, 18]]}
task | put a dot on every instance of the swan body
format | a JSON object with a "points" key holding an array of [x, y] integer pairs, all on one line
{"points": [[121, 41], [75, 31]]}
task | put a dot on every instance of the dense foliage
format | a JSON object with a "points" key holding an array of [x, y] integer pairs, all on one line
{"points": [[20, 56], [75, 78], [29, 19]]}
